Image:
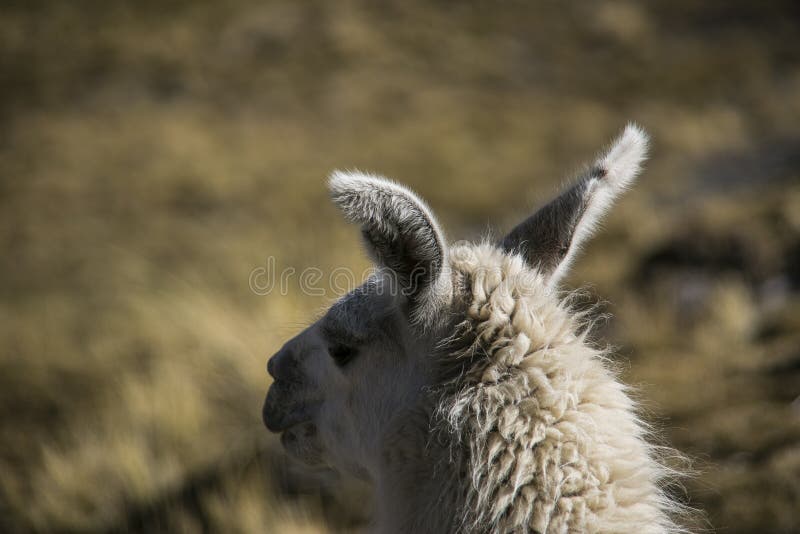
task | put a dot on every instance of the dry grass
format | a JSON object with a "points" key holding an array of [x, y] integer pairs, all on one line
{"points": [[152, 155]]}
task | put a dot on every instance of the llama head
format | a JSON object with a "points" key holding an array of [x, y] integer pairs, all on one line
{"points": [[346, 388]]}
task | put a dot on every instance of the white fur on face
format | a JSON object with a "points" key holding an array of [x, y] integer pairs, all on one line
{"points": [[356, 401]]}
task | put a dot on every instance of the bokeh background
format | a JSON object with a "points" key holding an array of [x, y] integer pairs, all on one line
{"points": [[154, 154]]}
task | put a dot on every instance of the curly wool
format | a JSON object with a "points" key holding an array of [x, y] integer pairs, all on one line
{"points": [[546, 438]]}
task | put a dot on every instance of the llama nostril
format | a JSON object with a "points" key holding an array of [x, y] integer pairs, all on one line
{"points": [[282, 366]]}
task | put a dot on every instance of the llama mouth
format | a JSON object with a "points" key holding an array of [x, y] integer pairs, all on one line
{"points": [[301, 442], [281, 413], [301, 431]]}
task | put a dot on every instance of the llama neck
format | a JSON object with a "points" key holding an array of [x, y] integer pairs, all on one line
{"points": [[416, 487]]}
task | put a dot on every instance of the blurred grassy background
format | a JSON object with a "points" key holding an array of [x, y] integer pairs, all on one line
{"points": [[152, 154]]}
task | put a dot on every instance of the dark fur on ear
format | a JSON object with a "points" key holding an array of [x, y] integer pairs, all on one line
{"points": [[550, 238], [402, 236]]}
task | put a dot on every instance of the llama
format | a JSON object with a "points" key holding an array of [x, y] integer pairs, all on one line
{"points": [[460, 384]]}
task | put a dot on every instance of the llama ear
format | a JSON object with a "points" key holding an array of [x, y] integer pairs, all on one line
{"points": [[550, 238], [402, 236]]}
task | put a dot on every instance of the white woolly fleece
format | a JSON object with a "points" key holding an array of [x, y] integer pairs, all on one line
{"points": [[550, 438]]}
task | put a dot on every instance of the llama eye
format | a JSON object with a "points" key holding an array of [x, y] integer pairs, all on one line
{"points": [[342, 354]]}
